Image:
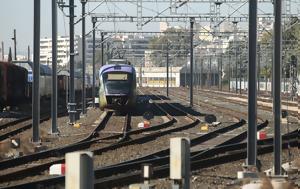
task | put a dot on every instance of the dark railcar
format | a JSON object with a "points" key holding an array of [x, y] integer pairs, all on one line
{"points": [[13, 80]]}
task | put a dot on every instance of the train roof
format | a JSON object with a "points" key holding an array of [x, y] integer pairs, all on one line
{"points": [[7, 64], [44, 70], [117, 68]]}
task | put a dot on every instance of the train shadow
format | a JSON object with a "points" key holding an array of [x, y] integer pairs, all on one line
{"points": [[148, 109], [189, 110]]}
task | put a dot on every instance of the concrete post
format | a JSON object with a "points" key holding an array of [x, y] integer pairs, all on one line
{"points": [[180, 162], [79, 170]]}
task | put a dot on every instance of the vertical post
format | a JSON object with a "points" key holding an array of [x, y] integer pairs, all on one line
{"points": [[167, 69], [28, 55], [54, 68], [15, 43], [83, 2], [221, 72], [209, 73], [236, 61], [277, 86], [147, 173], [240, 74], [102, 48], [79, 171], [201, 67], [252, 75], [180, 162], [94, 20], [258, 69], [2, 44], [192, 20], [72, 104], [229, 71], [36, 72]]}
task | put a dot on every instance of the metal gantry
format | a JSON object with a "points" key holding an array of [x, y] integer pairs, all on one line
{"points": [[201, 18]]}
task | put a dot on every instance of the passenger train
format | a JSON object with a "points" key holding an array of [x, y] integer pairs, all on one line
{"points": [[117, 85]]}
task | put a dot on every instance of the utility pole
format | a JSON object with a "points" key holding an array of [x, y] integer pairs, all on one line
{"points": [[201, 72], [167, 69], [72, 103], [229, 71], [209, 73], [36, 72], [236, 56], [15, 43], [83, 2], [221, 67], [277, 60], [94, 20], [54, 69], [2, 50], [28, 55], [258, 69], [192, 20], [102, 48], [240, 73], [252, 75]]}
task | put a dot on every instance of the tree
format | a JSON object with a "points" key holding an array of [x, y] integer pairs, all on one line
{"points": [[177, 40]]}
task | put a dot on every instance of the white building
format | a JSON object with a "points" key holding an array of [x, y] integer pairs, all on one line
{"points": [[157, 76], [63, 46]]}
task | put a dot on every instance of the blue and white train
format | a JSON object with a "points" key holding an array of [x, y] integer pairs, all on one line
{"points": [[117, 88]]}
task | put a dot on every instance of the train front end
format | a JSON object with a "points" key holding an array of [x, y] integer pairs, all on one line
{"points": [[117, 89]]}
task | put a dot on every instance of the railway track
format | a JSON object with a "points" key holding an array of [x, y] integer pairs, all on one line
{"points": [[93, 138], [224, 95], [262, 98], [226, 154], [162, 130], [15, 127], [105, 177], [209, 105]]}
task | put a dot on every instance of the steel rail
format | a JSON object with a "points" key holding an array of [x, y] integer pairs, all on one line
{"points": [[204, 103], [261, 107], [84, 144], [5, 125], [22, 128], [238, 152], [163, 171]]}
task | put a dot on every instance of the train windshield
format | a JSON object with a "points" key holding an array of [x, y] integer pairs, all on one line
{"points": [[117, 83]]}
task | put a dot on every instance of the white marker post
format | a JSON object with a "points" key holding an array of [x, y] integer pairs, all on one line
{"points": [[180, 162], [79, 170]]}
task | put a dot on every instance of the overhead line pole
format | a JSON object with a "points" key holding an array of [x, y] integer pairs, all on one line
{"points": [[252, 78], [277, 60], [15, 43], [167, 64], [102, 48], [72, 103], [28, 53], [192, 21], [36, 72], [94, 20], [83, 2], [54, 69], [2, 46]]}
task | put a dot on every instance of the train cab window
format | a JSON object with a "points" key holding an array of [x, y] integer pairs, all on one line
{"points": [[117, 82]]}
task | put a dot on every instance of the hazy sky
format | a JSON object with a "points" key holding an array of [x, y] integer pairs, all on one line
{"points": [[18, 14]]}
